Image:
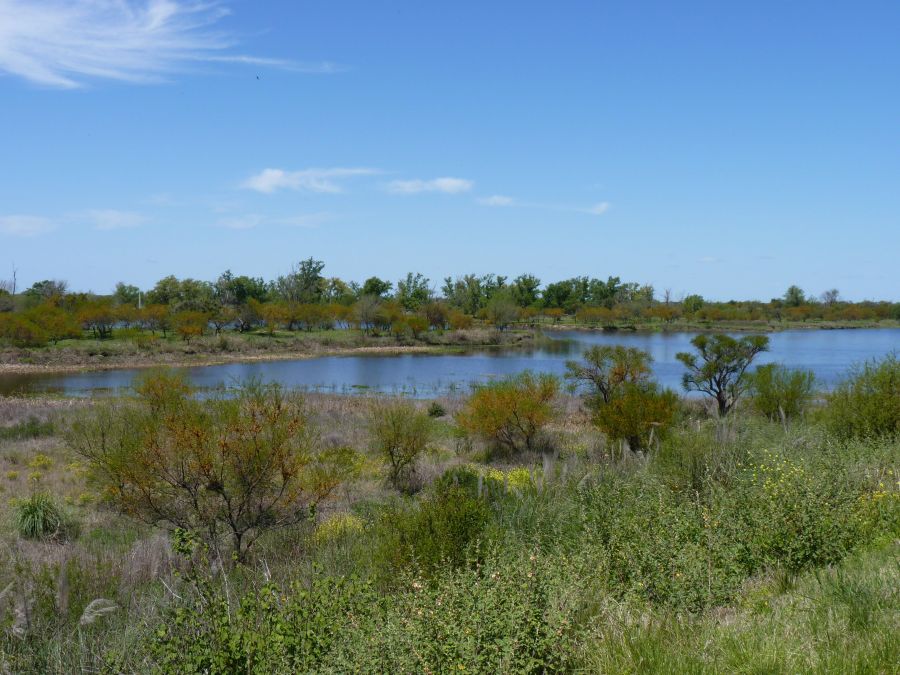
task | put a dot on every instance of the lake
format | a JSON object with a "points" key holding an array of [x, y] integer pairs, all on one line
{"points": [[828, 353]]}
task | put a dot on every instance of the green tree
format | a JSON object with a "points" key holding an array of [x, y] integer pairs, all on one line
{"points": [[606, 369], [525, 290], [377, 287], [718, 367], [501, 310], [692, 304], [126, 294], [413, 292], [794, 297]]}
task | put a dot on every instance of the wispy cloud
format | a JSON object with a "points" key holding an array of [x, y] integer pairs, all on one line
{"points": [[25, 226], [598, 209], [709, 260], [309, 180], [59, 43], [447, 185], [111, 219], [497, 200]]}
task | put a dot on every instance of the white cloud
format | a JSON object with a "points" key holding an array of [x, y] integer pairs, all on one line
{"points": [[111, 219], [59, 43], [309, 180], [497, 200], [447, 185], [598, 209], [25, 226]]}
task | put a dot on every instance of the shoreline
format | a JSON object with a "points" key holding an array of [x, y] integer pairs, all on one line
{"points": [[514, 339]]}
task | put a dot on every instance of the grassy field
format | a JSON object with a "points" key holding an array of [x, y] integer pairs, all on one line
{"points": [[738, 546]]}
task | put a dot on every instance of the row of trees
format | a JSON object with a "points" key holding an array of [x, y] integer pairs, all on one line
{"points": [[305, 299]]}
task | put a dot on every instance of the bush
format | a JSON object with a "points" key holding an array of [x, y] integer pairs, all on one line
{"points": [[867, 403], [435, 409], [638, 414], [782, 393], [400, 434], [442, 529], [40, 517], [512, 413], [229, 469]]}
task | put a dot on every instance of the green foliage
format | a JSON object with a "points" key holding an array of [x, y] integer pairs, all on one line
{"points": [[269, 631], [40, 517], [228, 468], [868, 402], [400, 434], [638, 414], [718, 367], [444, 528], [511, 413], [782, 393], [435, 410], [33, 427], [606, 369]]}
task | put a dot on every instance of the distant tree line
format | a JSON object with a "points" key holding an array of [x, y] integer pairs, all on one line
{"points": [[306, 299]]}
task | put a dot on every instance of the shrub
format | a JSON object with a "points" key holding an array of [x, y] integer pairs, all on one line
{"points": [[230, 468], [511, 413], [638, 414], [782, 393], [442, 529], [40, 517], [868, 402], [400, 435], [435, 409]]}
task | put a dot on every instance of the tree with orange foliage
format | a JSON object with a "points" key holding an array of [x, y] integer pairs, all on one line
{"points": [[228, 469]]}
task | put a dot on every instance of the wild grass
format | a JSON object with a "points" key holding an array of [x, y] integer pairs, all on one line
{"points": [[743, 546]]}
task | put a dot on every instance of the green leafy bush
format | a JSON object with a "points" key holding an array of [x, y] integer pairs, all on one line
{"points": [[867, 403], [400, 434], [782, 393], [442, 528], [637, 413], [511, 414]]}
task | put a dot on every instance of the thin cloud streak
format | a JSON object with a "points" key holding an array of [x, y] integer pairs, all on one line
{"points": [[326, 181], [111, 219], [62, 44], [446, 185], [20, 225]]}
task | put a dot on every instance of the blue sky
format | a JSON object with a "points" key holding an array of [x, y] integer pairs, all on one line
{"points": [[729, 149]]}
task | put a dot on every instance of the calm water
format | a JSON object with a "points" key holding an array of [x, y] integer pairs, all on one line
{"points": [[828, 353]]}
